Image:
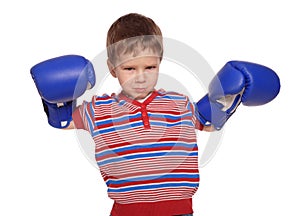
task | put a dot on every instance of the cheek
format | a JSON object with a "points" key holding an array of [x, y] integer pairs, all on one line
{"points": [[125, 78], [153, 76]]}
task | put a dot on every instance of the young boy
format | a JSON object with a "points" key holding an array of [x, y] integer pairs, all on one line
{"points": [[146, 146]]}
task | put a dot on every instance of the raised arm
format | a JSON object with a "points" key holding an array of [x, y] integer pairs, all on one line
{"points": [[237, 82], [60, 81]]}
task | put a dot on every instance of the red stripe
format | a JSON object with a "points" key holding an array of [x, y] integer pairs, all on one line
{"points": [[155, 172], [133, 142], [144, 150], [115, 123], [114, 115], [153, 181]]}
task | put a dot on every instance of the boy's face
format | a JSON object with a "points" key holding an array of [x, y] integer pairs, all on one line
{"points": [[137, 76]]}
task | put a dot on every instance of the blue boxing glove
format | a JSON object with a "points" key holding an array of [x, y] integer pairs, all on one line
{"points": [[237, 82], [60, 81]]}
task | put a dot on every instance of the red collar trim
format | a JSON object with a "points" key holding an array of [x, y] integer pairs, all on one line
{"points": [[153, 95]]}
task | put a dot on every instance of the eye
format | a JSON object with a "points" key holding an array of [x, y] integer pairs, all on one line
{"points": [[151, 67], [128, 68]]}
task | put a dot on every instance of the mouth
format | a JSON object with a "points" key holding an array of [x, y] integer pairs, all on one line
{"points": [[140, 90]]}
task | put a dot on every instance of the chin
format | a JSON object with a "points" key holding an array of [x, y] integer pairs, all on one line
{"points": [[142, 95]]}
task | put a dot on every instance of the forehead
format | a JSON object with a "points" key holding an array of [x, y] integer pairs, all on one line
{"points": [[141, 60], [146, 56]]}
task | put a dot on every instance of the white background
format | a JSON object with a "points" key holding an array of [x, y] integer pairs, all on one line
{"points": [[256, 169]]}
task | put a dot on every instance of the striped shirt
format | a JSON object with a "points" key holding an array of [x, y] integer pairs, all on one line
{"points": [[146, 151]]}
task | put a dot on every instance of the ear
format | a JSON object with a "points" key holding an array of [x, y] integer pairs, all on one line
{"points": [[111, 68]]}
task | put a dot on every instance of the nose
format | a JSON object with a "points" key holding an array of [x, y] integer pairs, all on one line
{"points": [[140, 76]]}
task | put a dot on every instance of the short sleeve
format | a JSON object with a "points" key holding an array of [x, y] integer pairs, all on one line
{"points": [[83, 116], [195, 117]]}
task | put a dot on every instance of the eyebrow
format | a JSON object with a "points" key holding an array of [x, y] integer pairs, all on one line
{"points": [[126, 65]]}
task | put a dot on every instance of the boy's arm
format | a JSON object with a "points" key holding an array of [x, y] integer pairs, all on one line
{"points": [[210, 128], [60, 81], [77, 120], [237, 82], [70, 126]]}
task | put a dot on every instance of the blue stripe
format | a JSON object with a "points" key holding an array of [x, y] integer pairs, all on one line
{"points": [[147, 155], [189, 106], [120, 119], [138, 115], [100, 102], [153, 145], [122, 127], [163, 116], [89, 120], [171, 97], [156, 123], [122, 102], [151, 186], [145, 178]]}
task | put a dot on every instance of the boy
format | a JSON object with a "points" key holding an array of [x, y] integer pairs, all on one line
{"points": [[171, 160], [145, 138]]}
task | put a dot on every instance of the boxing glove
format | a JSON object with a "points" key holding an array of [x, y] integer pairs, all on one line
{"points": [[60, 81], [237, 82]]}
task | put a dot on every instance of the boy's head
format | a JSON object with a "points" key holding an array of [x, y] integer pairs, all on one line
{"points": [[132, 34], [134, 50]]}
